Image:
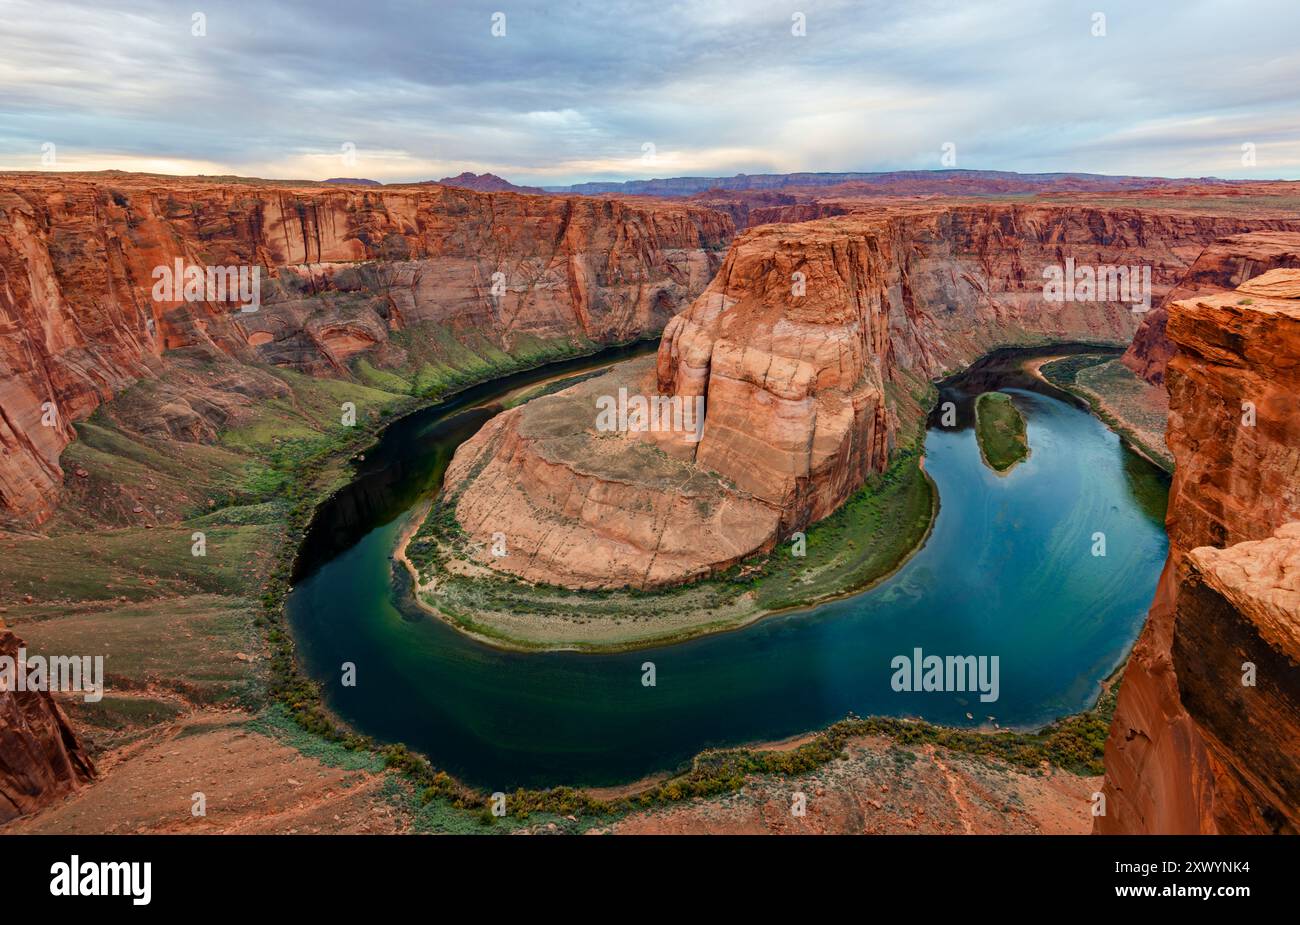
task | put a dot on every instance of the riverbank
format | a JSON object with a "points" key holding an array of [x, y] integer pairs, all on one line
{"points": [[864, 543], [878, 787], [700, 780], [1135, 410], [1065, 754]]}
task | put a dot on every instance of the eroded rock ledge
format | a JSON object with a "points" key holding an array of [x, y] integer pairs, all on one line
{"points": [[341, 271], [40, 758], [1222, 266], [811, 349], [1192, 748]]}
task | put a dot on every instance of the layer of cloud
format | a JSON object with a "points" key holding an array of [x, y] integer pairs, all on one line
{"points": [[576, 91]]}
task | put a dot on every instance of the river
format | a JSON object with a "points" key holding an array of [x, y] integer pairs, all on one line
{"points": [[1008, 571]]}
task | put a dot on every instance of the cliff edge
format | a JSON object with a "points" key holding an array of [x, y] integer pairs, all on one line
{"points": [[1208, 717]]}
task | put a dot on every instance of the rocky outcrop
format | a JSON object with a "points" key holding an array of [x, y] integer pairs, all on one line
{"points": [[553, 500], [1223, 265], [340, 270], [1193, 747], [803, 349], [789, 351], [40, 758], [748, 208], [487, 183]]}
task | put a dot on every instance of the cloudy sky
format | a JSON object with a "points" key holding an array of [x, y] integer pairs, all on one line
{"points": [[309, 89]]}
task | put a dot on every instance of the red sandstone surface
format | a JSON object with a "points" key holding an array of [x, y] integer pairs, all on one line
{"points": [[1192, 749], [1223, 265], [341, 269], [805, 348], [40, 758]]}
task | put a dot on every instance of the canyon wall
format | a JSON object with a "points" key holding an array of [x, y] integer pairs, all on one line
{"points": [[1205, 733], [40, 758], [803, 350], [341, 269], [748, 208], [1223, 265]]}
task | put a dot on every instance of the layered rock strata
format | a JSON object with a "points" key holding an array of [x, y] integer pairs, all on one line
{"points": [[1223, 265], [339, 271], [1195, 747], [802, 349]]}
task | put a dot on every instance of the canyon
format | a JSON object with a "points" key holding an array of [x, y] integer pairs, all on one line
{"points": [[811, 349], [1205, 730], [812, 337], [342, 270]]}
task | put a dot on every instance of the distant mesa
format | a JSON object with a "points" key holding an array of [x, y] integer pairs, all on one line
{"points": [[486, 183], [894, 182], [353, 181]]}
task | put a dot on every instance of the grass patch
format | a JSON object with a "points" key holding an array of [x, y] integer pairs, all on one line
{"points": [[1000, 428], [1135, 410], [275, 722], [867, 538]]}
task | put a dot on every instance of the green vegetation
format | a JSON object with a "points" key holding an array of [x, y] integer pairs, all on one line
{"points": [[1000, 428], [1075, 743], [443, 361], [120, 718], [276, 723], [868, 538], [1133, 409], [549, 388], [172, 623]]}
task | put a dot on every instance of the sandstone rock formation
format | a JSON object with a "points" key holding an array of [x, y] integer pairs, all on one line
{"points": [[1191, 748], [789, 348], [40, 758], [341, 269], [487, 183], [748, 208], [590, 510], [1223, 265], [804, 348]]}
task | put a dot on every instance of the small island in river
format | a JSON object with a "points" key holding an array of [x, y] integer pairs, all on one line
{"points": [[1000, 429]]}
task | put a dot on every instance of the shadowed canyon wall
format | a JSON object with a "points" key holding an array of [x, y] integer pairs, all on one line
{"points": [[809, 349], [40, 758], [1194, 747], [1223, 265], [340, 270]]}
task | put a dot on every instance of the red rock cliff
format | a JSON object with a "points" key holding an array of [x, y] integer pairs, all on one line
{"points": [[794, 347], [1193, 749], [1223, 265], [40, 758], [340, 268]]}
